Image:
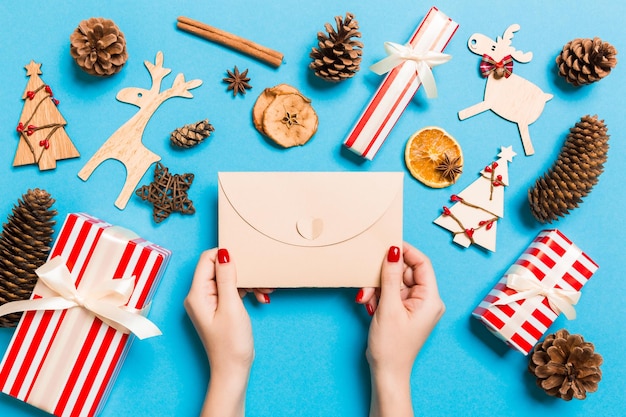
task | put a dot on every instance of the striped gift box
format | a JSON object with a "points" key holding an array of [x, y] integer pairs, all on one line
{"points": [[557, 266], [398, 88], [65, 361]]}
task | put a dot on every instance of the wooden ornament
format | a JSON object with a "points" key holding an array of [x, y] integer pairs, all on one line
{"points": [[41, 127], [125, 144], [473, 217], [508, 95]]}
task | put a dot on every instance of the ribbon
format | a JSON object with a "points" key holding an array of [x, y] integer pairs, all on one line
{"points": [[527, 286], [488, 65], [107, 301], [422, 61]]}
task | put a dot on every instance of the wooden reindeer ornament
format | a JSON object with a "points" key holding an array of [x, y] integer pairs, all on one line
{"points": [[125, 144], [506, 94]]}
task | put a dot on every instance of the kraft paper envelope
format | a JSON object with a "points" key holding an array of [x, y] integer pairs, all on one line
{"points": [[309, 229]]}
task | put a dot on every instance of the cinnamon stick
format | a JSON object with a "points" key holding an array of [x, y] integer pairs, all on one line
{"points": [[246, 46]]}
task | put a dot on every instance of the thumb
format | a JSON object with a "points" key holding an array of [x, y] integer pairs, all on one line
{"points": [[225, 278], [391, 277]]}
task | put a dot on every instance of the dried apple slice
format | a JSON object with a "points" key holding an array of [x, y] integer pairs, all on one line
{"points": [[290, 120], [264, 99]]}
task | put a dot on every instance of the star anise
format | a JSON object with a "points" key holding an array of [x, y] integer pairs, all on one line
{"points": [[238, 82], [450, 168], [290, 119]]}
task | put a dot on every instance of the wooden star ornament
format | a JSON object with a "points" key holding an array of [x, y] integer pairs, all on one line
{"points": [[167, 193]]}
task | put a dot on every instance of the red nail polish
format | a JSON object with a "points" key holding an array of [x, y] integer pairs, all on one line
{"points": [[222, 256], [359, 296], [266, 297], [394, 254], [370, 309]]}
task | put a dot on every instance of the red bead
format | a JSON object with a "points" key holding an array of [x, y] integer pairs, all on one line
{"points": [[494, 165], [469, 232], [20, 127], [446, 211], [487, 169], [30, 95], [482, 222], [45, 143], [499, 177], [55, 101], [497, 184], [48, 90], [455, 198], [489, 225], [30, 132]]}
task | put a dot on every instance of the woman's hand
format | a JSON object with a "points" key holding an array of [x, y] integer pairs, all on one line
{"points": [[404, 315], [222, 322]]}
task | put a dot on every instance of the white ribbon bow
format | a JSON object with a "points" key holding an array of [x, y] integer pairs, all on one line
{"points": [[528, 286], [423, 61], [107, 301]]}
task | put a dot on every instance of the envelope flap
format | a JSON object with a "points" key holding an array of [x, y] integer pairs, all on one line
{"points": [[310, 208]]}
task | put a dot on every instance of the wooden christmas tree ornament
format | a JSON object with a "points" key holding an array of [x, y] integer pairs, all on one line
{"points": [[41, 128], [473, 217], [125, 144], [508, 95]]}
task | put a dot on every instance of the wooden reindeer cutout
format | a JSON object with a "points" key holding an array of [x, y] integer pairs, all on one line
{"points": [[506, 94], [125, 144]]}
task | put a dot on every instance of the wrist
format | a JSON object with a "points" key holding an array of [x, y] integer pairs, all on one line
{"points": [[391, 393], [226, 394]]}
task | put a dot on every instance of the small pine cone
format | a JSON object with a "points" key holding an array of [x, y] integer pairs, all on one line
{"points": [[584, 61], [98, 47], [191, 134], [24, 246], [575, 172], [566, 366], [337, 56]]}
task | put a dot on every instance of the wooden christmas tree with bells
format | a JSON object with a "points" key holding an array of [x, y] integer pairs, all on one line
{"points": [[473, 217], [41, 128]]}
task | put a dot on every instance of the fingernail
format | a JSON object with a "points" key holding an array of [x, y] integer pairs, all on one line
{"points": [[359, 296], [370, 309], [394, 254], [266, 298], [222, 256]]}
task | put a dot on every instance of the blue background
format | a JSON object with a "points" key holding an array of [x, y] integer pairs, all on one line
{"points": [[310, 343]]}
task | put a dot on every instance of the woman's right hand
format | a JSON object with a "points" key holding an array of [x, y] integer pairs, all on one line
{"points": [[404, 315]]}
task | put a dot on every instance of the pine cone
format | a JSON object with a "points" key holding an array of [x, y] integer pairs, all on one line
{"points": [[98, 46], [566, 366], [191, 134], [575, 172], [24, 247], [584, 61], [338, 56]]}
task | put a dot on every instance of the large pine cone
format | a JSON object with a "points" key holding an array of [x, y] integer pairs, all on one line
{"points": [[24, 246], [575, 172], [337, 56], [191, 134], [98, 46], [566, 366], [584, 61]]}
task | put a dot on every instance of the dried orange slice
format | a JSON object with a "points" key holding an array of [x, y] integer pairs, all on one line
{"points": [[434, 157]]}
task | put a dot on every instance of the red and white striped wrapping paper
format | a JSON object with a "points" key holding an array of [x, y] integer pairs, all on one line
{"points": [[558, 263], [398, 88], [65, 361]]}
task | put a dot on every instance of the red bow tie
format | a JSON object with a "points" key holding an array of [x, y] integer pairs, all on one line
{"points": [[503, 67]]}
